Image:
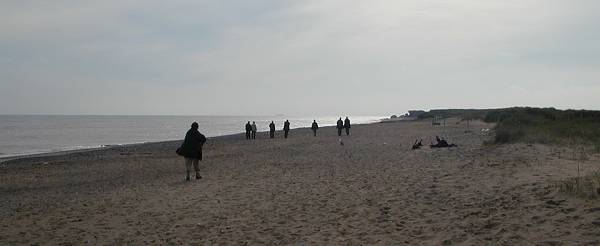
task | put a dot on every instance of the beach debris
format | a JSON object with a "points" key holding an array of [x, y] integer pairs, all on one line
{"points": [[442, 143], [418, 144], [341, 142]]}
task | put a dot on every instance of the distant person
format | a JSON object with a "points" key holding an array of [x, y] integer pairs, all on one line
{"points": [[248, 130], [253, 130], [272, 129], [314, 127], [418, 144], [191, 150], [286, 128], [347, 125], [442, 143], [340, 126]]}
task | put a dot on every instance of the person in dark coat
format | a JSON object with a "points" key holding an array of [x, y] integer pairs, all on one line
{"points": [[340, 126], [442, 143], [272, 129], [191, 150], [286, 128], [347, 125], [314, 127], [248, 130]]}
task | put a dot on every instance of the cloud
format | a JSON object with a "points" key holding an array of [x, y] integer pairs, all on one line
{"points": [[295, 57]]}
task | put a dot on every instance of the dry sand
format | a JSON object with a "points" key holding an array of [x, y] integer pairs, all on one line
{"points": [[303, 191]]}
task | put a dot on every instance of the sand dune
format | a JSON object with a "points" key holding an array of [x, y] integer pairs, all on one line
{"points": [[303, 190]]}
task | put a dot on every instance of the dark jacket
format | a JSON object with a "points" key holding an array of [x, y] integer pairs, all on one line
{"points": [[314, 126], [347, 123], [272, 127], [286, 126], [248, 127], [340, 124], [192, 144]]}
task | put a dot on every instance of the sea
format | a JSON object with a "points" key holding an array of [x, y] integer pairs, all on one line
{"points": [[39, 134]]}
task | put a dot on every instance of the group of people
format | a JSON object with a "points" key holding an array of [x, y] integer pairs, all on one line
{"points": [[191, 148], [441, 143], [343, 125], [251, 128]]}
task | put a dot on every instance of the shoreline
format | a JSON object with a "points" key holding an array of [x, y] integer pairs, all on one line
{"points": [[4, 160], [42, 143]]}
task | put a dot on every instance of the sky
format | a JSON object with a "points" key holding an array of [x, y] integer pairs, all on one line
{"points": [[313, 57]]}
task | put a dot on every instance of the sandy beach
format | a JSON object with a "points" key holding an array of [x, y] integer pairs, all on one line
{"points": [[304, 190]]}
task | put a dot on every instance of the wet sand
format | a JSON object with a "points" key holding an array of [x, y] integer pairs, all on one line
{"points": [[303, 190]]}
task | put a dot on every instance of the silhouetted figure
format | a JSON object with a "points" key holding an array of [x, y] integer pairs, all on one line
{"points": [[314, 127], [442, 143], [418, 144], [191, 150], [253, 130], [272, 129], [286, 128], [248, 130], [347, 125], [340, 126]]}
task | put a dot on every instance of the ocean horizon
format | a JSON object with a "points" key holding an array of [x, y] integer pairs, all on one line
{"points": [[22, 135]]}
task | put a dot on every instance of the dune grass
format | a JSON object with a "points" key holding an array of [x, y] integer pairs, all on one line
{"points": [[546, 125], [534, 125], [577, 129], [585, 187]]}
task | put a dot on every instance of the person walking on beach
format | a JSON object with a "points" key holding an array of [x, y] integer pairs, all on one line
{"points": [[191, 150], [286, 128], [314, 127], [248, 130], [253, 130], [347, 125], [340, 126], [272, 129]]}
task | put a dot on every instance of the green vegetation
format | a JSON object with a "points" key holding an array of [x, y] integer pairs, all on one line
{"points": [[585, 187], [534, 125], [545, 125], [467, 114]]}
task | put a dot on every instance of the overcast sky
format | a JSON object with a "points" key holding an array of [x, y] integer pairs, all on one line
{"points": [[321, 57]]}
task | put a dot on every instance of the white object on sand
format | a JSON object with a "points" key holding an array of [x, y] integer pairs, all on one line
{"points": [[341, 142]]}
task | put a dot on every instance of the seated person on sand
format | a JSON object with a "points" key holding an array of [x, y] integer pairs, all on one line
{"points": [[442, 143], [418, 145]]}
